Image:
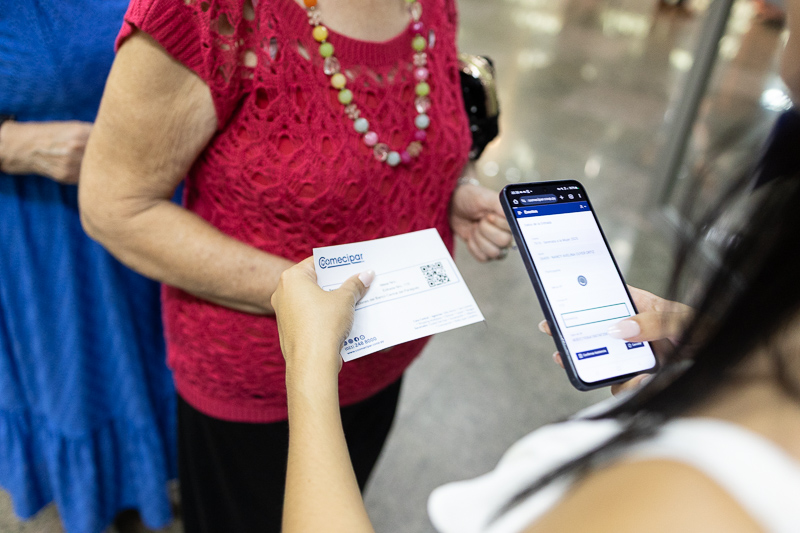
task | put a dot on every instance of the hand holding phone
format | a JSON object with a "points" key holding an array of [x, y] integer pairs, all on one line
{"points": [[660, 322], [577, 281]]}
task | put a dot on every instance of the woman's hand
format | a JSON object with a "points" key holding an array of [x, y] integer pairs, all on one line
{"points": [[313, 323], [659, 321], [477, 217], [52, 149]]}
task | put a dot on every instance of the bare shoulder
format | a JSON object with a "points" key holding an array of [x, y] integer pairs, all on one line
{"points": [[649, 495]]}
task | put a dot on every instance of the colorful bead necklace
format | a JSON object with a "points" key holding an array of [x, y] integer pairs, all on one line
{"points": [[422, 102]]}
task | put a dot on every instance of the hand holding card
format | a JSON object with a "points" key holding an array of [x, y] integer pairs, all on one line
{"points": [[417, 291]]}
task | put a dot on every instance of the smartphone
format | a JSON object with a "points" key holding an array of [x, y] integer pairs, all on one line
{"points": [[577, 281]]}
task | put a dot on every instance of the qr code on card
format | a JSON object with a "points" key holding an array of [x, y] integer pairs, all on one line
{"points": [[435, 274]]}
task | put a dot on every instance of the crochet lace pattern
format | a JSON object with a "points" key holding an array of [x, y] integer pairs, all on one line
{"points": [[286, 172]]}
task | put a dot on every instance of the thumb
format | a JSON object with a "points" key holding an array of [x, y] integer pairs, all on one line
{"points": [[649, 326], [490, 200], [358, 285], [497, 216]]}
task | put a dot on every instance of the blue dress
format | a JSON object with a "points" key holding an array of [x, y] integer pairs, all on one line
{"points": [[87, 405]]}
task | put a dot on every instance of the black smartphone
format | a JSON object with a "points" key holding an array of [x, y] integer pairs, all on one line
{"points": [[577, 281]]}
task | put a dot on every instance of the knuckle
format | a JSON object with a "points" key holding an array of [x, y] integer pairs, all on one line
{"points": [[284, 278], [61, 174], [657, 304]]}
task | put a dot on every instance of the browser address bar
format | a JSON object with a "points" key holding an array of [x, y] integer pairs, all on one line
{"points": [[538, 199]]}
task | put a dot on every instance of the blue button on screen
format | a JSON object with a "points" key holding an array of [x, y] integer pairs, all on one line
{"points": [[592, 353]]}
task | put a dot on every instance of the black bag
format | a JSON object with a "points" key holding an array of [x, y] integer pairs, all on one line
{"points": [[480, 100], [780, 156]]}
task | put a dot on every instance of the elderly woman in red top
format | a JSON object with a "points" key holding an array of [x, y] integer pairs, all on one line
{"points": [[296, 124]]}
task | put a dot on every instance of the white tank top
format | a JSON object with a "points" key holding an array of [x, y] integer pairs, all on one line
{"points": [[761, 477]]}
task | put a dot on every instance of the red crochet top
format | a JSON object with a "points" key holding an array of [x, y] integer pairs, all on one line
{"points": [[286, 172]]}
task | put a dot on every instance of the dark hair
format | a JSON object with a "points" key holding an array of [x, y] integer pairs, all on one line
{"points": [[751, 294]]}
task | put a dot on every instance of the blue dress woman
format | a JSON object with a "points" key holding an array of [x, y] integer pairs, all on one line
{"points": [[86, 401]]}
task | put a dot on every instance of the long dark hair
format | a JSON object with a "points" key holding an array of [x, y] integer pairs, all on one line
{"points": [[752, 293]]}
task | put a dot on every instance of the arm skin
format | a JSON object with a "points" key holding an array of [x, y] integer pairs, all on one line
{"points": [[155, 118], [321, 489]]}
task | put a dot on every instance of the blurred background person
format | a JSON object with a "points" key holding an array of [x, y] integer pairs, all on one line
{"points": [[87, 406], [771, 12], [300, 125], [780, 156], [790, 61]]}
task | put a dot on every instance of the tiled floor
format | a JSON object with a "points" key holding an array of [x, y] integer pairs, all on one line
{"points": [[586, 89]]}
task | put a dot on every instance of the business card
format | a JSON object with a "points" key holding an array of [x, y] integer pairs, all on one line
{"points": [[418, 290]]}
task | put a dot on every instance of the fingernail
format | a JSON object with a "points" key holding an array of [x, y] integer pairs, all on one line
{"points": [[556, 356], [624, 330], [542, 324], [367, 277]]}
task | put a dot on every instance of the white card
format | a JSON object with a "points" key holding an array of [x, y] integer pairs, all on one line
{"points": [[417, 291]]}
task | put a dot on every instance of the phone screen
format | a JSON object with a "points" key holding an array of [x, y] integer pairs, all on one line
{"points": [[579, 280]]}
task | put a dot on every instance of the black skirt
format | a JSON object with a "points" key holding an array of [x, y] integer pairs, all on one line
{"points": [[232, 474]]}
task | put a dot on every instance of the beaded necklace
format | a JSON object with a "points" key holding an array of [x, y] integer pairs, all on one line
{"points": [[422, 102]]}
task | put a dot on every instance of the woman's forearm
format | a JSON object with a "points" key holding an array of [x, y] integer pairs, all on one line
{"points": [[52, 149], [165, 242], [321, 489]]}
